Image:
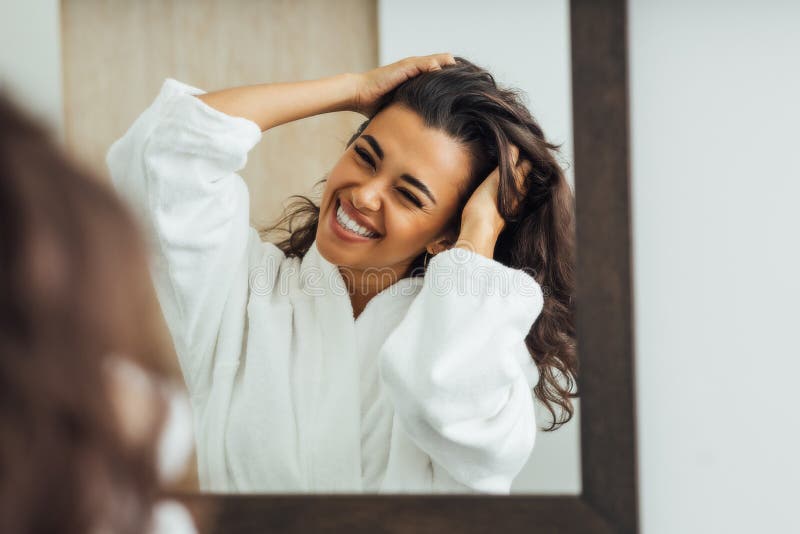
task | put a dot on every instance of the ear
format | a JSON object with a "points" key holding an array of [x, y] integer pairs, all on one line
{"points": [[441, 243]]}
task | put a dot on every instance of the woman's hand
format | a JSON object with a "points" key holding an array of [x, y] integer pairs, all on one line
{"points": [[372, 85], [481, 222], [482, 205]]}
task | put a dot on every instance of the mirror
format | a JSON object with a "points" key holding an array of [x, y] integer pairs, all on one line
{"points": [[344, 427]]}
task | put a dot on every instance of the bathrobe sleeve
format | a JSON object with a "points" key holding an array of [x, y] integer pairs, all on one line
{"points": [[176, 166], [459, 374]]}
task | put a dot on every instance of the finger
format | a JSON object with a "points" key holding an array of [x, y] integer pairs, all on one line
{"points": [[417, 64], [446, 59], [514, 154], [436, 61], [522, 166]]}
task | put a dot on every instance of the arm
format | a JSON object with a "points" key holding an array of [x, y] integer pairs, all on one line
{"points": [[459, 374], [272, 104], [177, 168], [457, 367]]}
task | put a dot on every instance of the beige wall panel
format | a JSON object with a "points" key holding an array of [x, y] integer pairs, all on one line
{"points": [[117, 53]]}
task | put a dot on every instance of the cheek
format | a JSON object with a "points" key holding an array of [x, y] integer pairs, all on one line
{"points": [[409, 229], [334, 177], [346, 172]]}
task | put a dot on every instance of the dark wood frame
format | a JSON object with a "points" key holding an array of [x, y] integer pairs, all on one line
{"points": [[605, 345]]}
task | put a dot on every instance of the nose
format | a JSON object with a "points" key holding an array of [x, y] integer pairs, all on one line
{"points": [[367, 196]]}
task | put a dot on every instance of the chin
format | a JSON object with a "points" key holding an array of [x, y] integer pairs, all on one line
{"points": [[332, 250], [338, 254]]}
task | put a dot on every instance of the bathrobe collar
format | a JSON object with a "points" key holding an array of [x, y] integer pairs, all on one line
{"points": [[320, 277], [333, 413]]}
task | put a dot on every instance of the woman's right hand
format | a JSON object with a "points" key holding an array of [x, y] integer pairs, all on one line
{"points": [[373, 84]]}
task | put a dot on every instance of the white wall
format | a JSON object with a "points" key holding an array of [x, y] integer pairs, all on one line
{"points": [[524, 44], [716, 186], [30, 57]]}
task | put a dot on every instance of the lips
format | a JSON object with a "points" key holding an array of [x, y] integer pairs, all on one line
{"points": [[357, 216]]}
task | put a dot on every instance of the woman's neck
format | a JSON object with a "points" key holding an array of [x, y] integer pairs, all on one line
{"points": [[362, 287]]}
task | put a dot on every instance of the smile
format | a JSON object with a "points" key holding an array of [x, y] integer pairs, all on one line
{"points": [[351, 226]]}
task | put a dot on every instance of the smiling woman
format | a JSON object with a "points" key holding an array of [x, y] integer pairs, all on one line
{"points": [[393, 338], [374, 183], [451, 126]]}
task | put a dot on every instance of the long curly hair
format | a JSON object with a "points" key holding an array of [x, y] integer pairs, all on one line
{"points": [[464, 101]]}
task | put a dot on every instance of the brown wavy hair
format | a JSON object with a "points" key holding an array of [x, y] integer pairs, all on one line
{"points": [[74, 290], [464, 101]]}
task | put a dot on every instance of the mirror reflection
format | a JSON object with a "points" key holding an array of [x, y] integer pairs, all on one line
{"points": [[359, 222]]}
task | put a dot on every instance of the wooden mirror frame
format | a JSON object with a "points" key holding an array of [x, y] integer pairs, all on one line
{"points": [[605, 346]]}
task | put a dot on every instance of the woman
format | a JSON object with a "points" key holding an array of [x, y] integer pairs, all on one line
{"points": [[326, 362], [91, 423]]}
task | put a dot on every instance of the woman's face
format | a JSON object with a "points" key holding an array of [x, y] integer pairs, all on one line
{"points": [[397, 186]]}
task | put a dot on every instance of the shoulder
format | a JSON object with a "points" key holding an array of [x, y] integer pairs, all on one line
{"points": [[262, 252]]}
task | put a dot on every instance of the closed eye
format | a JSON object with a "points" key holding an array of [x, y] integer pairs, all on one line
{"points": [[365, 156], [409, 196]]}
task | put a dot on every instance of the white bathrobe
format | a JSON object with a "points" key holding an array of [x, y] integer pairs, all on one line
{"points": [[428, 390]]}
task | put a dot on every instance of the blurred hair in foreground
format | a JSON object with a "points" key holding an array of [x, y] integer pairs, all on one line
{"points": [[75, 297]]}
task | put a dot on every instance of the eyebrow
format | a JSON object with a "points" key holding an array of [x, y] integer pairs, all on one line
{"points": [[374, 144], [407, 177]]}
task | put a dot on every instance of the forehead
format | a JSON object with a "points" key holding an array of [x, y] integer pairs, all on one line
{"points": [[428, 154]]}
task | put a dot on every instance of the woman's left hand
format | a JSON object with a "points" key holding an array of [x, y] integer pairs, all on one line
{"points": [[481, 208]]}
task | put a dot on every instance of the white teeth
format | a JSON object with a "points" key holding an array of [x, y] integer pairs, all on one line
{"points": [[351, 225]]}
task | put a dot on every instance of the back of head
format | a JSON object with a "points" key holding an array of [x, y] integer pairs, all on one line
{"points": [[74, 290]]}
